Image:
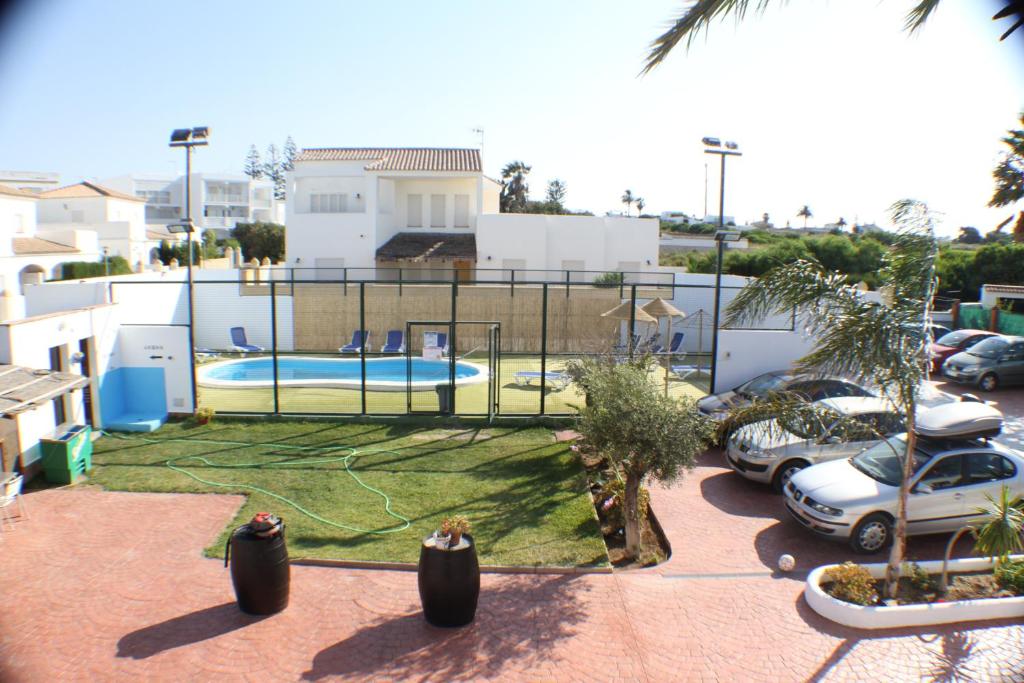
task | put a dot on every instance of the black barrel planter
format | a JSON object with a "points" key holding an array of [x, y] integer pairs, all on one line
{"points": [[259, 567], [449, 582]]}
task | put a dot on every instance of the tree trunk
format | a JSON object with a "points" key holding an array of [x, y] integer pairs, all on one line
{"points": [[899, 534], [632, 515]]}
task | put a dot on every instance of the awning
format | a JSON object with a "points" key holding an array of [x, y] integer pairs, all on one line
{"points": [[24, 389], [428, 246]]}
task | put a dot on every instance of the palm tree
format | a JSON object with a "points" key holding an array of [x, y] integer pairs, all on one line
{"points": [[698, 15], [805, 212], [628, 199], [640, 204], [1009, 177], [877, 342], [514, 190]]}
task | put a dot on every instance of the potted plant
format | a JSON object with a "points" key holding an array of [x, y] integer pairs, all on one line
{"points": [[448, 574], [204, 415]]}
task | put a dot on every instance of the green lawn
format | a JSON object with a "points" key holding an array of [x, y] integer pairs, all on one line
{"points": [[525, 495]]}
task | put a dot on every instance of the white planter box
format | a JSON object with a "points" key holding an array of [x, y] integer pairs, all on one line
{"points": [[859, 616]]}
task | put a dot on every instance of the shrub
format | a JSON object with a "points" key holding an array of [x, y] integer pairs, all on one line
{"points": [[918, 577], [853, 583], [1010, 575], [76, 270], [609, 280], [613, 493]]}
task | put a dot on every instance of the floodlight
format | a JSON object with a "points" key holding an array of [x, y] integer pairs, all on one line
{"points": [[712, 142], [727, 236], [200, 132], [731, 145], [180, 228], [181, 134]]}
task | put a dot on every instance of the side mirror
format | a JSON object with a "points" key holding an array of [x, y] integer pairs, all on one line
{"points": [[833, 440], [924, 488]]}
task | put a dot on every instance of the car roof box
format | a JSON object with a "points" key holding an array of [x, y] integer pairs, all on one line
{"points": [[965, 420]]}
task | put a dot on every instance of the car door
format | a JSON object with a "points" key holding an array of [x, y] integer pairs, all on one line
{"points": [[1011, 365], [936, 501], [985, 474]]}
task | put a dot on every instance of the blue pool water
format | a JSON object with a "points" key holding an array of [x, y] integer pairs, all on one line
{"points": [[299, 370]]}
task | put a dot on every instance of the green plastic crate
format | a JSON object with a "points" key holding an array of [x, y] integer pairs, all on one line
{"points": [[67, 457]]}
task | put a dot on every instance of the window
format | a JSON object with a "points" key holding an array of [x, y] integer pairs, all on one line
{"points": [[986, 467], [944, 474], [57, 364], [437, 217], [575, 269], [415, 211], [77, 216], [328, 203], [462, 211], [513, 265]]}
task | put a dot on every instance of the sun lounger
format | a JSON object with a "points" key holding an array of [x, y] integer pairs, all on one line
{"points": [[557, 380], [241, 344], [359, 338], [395, 342]]}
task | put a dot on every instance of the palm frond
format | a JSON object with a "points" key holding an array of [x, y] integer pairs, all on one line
{"points": [[919, 15], [697, 16]]}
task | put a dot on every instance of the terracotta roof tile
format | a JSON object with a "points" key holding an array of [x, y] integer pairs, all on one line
{"points": [[400, 158], [1004, 289], [34, 245], [422, 246], [84, 190], [15, 192]]}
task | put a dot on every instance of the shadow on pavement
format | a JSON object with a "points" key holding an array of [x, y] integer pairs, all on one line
{"points": [[186, 629], [516, 624]]}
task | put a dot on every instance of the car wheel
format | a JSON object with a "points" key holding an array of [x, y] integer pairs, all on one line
{"points": [[871, 534], [988, 382], [785, 472]]}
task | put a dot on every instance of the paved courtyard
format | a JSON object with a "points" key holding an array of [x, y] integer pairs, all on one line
{"points": [[103, 586]]}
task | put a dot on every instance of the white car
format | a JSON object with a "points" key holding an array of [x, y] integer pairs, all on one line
{"points": [[955, 467], [771, 452]]}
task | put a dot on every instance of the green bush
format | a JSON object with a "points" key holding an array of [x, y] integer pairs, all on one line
{"points": [[609, 280], [260, 240], [851, 582], [1010, 575], [77, 270]]}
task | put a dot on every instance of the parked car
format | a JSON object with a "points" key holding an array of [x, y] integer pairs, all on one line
{"points": [[955, 466], [772, 451], [717, 406], [936, 331], [989, 364], [953, 343]]}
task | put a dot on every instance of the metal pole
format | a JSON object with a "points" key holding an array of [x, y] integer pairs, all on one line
{"points": [[721, 197], [705, 188], [273, 341], [543, 345], [191, 295], [632, 318], [714, 327], [452, 347], [362, 348]]}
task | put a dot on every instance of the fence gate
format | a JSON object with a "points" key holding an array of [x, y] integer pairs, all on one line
{"points": [[452, 368]]}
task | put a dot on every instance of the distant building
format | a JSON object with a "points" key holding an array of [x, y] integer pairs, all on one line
{"points": [[30, 181], [676, 217], [219, 200]]}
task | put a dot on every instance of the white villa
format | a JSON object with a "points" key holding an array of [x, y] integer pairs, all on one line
{"points": [[219, 200], [432, 211]]}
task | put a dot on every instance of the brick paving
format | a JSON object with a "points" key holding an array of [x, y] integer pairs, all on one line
{"points": [[105, 586]]}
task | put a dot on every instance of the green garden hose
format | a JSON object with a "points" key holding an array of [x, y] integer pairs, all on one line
{"points": [[320, 456]]}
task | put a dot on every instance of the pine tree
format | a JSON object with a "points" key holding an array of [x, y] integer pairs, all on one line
{"points": [[290, 152], [253, 165], [273, 170]]}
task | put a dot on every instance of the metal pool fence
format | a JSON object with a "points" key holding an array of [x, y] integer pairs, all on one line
{"points": [[516, 336]]}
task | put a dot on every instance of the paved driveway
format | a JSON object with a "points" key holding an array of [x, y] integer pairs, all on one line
{"points": [[104, 586]]}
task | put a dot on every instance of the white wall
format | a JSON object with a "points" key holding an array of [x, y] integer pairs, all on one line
{"points": [[161, 346], [744, 354], [17, 219], [219, 307]]}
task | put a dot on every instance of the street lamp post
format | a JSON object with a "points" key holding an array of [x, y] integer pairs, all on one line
{"points": [[106, 261], [189, 138], [715, 146]]}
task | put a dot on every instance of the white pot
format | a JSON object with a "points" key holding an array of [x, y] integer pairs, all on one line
{"points": [[897, 616]]}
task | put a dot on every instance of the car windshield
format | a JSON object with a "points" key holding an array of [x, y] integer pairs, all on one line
{"points": [[953, 338], [760, 386], [993, 347], [884, 461]]}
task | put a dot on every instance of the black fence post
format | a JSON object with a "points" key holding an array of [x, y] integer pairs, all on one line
{"points": [[273, 342], [632, 319], [567, 280], [512, 285], [362, 348], [399, 281], [452, 346], [543, 345]]}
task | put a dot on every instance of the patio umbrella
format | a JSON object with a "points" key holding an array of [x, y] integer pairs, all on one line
{"points": [[621, 312], [660, 308]]}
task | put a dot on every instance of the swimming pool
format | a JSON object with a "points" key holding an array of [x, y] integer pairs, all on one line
{"points": [[382, 374]]}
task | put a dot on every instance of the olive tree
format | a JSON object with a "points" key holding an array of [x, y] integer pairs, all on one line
{"points": [[645, 435]]}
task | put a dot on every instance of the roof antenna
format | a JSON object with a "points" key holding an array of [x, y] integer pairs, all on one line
{"points": [[480, 131]]}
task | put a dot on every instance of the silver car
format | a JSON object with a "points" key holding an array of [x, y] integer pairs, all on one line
{"points": [[855, 499], [771, 452]]}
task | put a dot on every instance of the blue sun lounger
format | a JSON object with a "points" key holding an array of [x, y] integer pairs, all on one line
{"points": [[395, 342], [359, 338], [241, 344], [557, 380]]}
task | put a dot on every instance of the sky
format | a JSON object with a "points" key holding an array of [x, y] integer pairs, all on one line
{"points": [[832, 103]]}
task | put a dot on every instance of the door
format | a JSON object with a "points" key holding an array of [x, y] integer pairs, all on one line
{"points": [[943, 508], [985, 474], [463, 270], [1011, 365]]}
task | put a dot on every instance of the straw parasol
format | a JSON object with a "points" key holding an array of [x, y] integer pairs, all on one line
{"points": [[660, 308], [622, 312]]}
